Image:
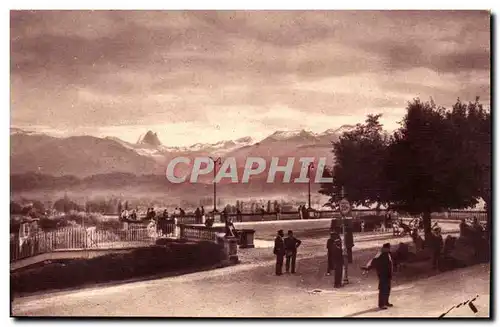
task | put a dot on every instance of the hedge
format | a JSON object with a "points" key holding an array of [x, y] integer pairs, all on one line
{"points": [[141, 262]]}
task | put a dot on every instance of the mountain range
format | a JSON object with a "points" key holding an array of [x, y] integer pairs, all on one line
{"points": [[87, 156]]}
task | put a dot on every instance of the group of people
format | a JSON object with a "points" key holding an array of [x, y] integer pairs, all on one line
{"points": [[225, 215], [304, 213], [285, 249], [126, 215]]}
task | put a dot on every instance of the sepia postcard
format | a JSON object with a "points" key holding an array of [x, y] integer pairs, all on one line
{"points": [[250, 164]]}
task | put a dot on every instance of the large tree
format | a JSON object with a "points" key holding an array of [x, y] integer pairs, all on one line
{"points": [[359, 165], [429, 166], [472, 124]]}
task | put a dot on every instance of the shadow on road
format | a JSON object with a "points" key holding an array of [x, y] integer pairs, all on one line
{"points": [[375, 309]]}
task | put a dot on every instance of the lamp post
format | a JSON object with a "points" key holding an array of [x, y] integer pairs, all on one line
{"points": [[215, 161], [344, 208], [311, 165]]}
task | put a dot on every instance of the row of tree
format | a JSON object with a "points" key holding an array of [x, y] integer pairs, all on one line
{"points": [[439, 159]]}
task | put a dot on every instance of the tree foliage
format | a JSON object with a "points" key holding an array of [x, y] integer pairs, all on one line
{"points": [[359, 165], [66, 205], [437, 160]]}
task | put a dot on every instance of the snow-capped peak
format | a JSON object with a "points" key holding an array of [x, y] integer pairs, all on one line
{"points": [[329, 131], [284, 135], [19, 131], [345, 128]]}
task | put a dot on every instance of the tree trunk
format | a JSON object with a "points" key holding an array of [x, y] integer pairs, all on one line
{"points": [[427, 223]]}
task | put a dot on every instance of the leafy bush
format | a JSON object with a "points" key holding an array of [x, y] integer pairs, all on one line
{"points": [[15, 208], [66, 205]]}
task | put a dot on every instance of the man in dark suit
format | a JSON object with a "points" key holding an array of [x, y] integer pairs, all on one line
{"points": [[279, 251], [436, 246], [291, 245], [382, 262], [335, 258]]}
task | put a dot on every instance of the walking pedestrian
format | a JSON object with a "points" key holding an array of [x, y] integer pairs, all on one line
{"points": [[300, 212], [382, 262], [279, 251], [291, 245]]}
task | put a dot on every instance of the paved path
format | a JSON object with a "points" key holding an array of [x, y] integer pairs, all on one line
{"points": [[251, 290]]}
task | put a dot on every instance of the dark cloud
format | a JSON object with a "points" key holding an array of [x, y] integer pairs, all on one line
{"points": [[149, 66]]}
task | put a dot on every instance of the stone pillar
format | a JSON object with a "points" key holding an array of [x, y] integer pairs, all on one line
{"points": [[247, 238], [229, 249], [231, 243]]}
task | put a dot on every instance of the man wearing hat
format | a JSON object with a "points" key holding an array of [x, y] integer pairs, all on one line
{"points": [[382, 262], [279, 251], [335, 258]]}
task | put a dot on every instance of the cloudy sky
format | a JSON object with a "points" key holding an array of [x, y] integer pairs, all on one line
{"points": [[196, 76]]}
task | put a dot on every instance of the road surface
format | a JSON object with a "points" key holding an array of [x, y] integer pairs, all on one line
{"points": [[251, 290]]}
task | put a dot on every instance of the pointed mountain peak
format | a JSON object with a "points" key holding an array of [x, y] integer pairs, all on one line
{"points": [[150, 138]]}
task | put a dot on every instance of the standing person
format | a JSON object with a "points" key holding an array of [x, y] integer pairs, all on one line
{"points": [[279, 251], [229, 228], [197, 215], [463, 228], [278, 212], [305, 213], [239, 216], [124, 214], [300, 212], [388, 220], [291, 245], [225, 215], [382, 262], [262, 212], [436, 246], [335, 258], [330, 244]]}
